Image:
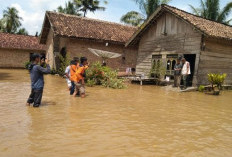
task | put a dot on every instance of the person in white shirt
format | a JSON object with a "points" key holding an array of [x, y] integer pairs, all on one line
{"points": [[67, 75], [185, 72]]}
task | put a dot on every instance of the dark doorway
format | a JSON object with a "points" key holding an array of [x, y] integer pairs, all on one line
{"points": [[191, 58], [63, 52]]}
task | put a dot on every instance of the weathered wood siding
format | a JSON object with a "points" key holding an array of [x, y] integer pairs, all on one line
{"points": [[181, 38], [216, 58]]}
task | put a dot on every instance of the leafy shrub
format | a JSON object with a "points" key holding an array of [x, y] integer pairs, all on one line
{"points": [[90, 83], [103, 75], [216, 79], [157, 69], [53, 72], [26, 64], [201, 88], [64, 62]]}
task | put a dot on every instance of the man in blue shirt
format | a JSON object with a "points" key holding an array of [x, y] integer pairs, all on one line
{"points": [[37, 80]]}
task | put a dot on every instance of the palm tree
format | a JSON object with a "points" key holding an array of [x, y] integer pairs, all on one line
{"points": [[1, 25], [147, 8], [88, 5], [133, 18], [11, 20], [210, 9], [69, 8], [22, 31]]}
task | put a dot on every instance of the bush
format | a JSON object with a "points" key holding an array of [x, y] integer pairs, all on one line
{"points": [[26, 64], [64, 62], [216, 79], [53, 72], [157, 70], [103, 75], [201, 88], [90, 83]]}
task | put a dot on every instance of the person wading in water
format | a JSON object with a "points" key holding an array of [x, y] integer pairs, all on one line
{"points": [[37, 80]]}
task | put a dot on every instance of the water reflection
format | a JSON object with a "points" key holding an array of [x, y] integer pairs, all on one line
{"points": [[139, 121]]}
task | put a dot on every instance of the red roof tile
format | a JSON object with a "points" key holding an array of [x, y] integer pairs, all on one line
{"points": [[86, 28], [25, 42]]}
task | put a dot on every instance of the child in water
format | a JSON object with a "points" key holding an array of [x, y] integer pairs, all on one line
{"points": [[80, 77]]}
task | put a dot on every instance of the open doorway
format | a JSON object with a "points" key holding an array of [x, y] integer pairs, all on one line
{"points": [[191, 58]]}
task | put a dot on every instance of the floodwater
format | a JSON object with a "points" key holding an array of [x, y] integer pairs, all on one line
{"points": [[145, 121]]}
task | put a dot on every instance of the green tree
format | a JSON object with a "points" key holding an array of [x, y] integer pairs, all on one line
{"points": [[210, 9], [88, 5], [22, 31], [69, 8], [133, 18], [147, 8], [1, 25], [11, 20]]}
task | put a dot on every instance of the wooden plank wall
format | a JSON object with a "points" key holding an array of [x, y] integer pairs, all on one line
{"points": [[216, 58], [181, 38]]}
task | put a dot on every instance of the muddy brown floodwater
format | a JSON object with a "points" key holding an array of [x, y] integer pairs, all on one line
{"points": [[145, 121]]}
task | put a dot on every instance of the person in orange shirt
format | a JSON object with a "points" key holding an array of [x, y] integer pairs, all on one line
{"points": [[80, 77], [73, 68]]}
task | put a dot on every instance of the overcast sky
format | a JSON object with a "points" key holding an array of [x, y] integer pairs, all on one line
{"points": [[33, 11]]}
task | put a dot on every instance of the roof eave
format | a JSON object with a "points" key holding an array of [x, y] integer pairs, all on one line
{"points": [[144, 26], [92, 39], [46, 17]]}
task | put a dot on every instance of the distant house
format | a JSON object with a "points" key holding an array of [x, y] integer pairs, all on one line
{"points": [[170, 33], [15, 50], [72, 35]]}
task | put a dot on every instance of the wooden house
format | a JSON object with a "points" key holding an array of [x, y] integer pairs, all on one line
{"points": [[171, 32]]}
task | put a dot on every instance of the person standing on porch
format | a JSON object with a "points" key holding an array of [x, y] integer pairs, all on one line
{"points": [[185, 72], [177, 73]]}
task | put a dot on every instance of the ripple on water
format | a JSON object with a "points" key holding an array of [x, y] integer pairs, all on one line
{"points": [[139, 121]]}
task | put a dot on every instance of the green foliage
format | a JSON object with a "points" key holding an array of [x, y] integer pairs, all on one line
{"points": [[64, 62], [22, 31], [133, 18], [157, 70], [216, 79], [147, 8], [90, 83], [11, 22], [69, 8], [103, 75], [88, 5], [53, 72], [201, 88], [26, 64], [210, 9]]}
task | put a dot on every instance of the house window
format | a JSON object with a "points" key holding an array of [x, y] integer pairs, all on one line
{"points": [[156, 65], [171, 62]]}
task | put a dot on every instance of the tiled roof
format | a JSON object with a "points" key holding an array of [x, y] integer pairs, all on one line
{"points": [[206, 27], [86, 28], [24, 42]]}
